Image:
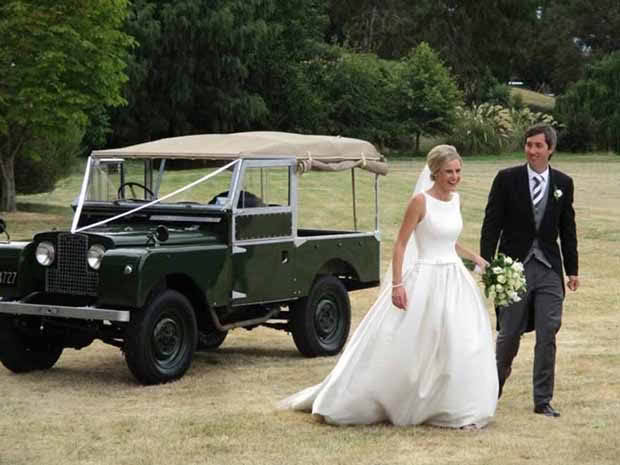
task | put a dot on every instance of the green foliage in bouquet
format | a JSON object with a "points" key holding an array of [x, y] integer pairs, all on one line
{"points": [[504, 280]]}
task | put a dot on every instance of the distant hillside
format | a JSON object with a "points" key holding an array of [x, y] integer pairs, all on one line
{"points": [[534, 99]]}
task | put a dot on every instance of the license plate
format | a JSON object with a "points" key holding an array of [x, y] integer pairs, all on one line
{"points": [[8, 277]]}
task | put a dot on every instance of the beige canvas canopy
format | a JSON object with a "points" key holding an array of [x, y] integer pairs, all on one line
{"points": [[323, 153]]}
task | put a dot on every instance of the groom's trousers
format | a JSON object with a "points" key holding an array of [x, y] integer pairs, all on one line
{"points": [[544, 297]]}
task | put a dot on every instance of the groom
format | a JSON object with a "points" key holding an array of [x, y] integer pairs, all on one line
{"points": [[529, 207]]}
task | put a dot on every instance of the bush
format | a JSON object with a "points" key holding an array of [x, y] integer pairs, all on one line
{"points": [[482, 128], [493, 129]]}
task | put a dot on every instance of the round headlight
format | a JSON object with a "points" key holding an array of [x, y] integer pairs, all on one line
{"points": [[95, 255], [45, 253]]}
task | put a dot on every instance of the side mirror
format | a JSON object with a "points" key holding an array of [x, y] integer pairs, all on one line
{"points": [[161, 233]]}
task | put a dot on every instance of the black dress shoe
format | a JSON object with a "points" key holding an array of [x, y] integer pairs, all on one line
{"points": [[547, 410]]}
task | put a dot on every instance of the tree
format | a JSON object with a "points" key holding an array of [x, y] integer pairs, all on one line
{"points": [[59, 60], [387, 28], [595, 24], [425, 94], [545, 43], [191, 69], [46, 159], [554, 57], [353, 94], [483, 43], [567, 36], [478, 39], [589, 109], [279, 73]]}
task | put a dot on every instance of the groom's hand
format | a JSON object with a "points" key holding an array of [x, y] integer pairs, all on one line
{"points": [[573, 283]]}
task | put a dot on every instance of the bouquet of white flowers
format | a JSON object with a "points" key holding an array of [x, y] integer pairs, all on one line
{"points": [[504, 281]]}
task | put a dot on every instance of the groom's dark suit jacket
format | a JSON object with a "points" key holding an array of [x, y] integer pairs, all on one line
{"points": [[509, 220]]}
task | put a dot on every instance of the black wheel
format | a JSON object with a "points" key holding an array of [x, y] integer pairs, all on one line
{"points": [[161, 339], [28, 348], [211, 340], [320, 323], [120, 194]]}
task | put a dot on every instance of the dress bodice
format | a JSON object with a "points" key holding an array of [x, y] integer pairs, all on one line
{"points": [[437, 233]]}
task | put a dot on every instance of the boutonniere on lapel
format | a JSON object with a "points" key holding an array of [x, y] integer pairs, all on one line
{"points": [[557, 193]]}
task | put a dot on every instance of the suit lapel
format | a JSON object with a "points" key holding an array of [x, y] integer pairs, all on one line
{"points": [[550, 199]]}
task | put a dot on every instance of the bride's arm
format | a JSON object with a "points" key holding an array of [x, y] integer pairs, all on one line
{"points": [[413, 215], [469, 255]]}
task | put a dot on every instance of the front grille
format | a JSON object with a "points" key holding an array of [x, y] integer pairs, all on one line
{"points": [[71, 275]]}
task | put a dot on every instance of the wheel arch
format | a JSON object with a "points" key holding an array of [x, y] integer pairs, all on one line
{"points": [[341, 269], [185, 285]]}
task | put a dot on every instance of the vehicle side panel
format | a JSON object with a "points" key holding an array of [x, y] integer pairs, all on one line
{"points": [[361, 253], [208, 267]]}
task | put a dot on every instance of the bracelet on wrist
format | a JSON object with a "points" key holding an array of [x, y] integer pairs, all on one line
{"points": [[394, 286]]}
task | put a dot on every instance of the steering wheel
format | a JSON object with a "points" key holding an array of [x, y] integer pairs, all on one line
{"points": [[121, 190]]}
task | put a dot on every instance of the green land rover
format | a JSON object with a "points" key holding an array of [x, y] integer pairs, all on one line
{"points": [[162, 261]]}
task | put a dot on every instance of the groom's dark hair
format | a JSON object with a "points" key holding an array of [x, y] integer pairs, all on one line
{"points": [[551, 137]]}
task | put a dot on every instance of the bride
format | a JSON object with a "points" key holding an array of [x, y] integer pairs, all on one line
{"points": [[424, 352]]}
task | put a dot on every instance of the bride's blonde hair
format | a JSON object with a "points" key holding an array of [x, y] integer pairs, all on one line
{"points": [[439, 155]]}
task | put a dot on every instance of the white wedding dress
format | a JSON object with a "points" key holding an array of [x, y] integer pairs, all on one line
{"points": [[433, 363]]}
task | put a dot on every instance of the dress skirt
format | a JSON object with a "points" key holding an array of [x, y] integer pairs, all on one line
{"points": [[431, 364]]}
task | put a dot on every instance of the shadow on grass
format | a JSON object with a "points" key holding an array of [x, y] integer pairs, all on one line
{"points": [[67, 376], [227, 357], [48, 209], [111, 370]]}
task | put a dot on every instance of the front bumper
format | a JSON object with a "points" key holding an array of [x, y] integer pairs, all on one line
{"points": [[83, 313]]}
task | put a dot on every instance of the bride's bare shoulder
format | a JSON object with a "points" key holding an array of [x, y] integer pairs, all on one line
{"points": [[417, 204], [418, 199]]}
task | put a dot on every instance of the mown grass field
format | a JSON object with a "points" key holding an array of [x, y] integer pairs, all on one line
{"points": [[89, 410], [537, 99]]}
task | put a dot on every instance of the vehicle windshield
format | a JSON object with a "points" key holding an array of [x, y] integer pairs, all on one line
{"points": [[146, 180]]}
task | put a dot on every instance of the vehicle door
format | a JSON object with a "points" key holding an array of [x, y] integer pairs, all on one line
{"points": [[264, 224]]}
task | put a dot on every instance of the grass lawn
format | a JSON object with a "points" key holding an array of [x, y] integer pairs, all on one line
{"points": [[534, 98], [89, 410]]}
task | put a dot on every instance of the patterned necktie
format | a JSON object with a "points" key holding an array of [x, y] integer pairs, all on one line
{"points": [[537, 192]]}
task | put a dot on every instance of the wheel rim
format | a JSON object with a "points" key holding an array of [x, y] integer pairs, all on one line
{"points": [[327, 318], [167, 340]]}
